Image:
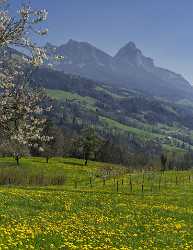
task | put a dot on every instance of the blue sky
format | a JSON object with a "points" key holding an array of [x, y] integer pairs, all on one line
{"points": [[162, 29]]}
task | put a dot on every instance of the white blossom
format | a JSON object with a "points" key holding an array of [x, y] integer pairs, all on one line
{"points": [[17, 31], [22, 109]]}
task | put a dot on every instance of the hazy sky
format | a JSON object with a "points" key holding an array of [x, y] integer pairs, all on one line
{"points": [[162, 29]]}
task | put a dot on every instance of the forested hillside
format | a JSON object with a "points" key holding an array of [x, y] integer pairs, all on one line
{"points": [[118, 111]]}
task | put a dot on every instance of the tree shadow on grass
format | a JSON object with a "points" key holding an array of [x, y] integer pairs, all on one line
{"points": [[7, 164], [72, 163]]}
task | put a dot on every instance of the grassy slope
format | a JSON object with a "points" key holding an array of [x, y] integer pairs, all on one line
{"points": [[143, 133], [104, 90], [97, 217], [61, 95]]}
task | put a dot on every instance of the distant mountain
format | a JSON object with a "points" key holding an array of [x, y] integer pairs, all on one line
{"points": [[128, 68], [82, 59]]}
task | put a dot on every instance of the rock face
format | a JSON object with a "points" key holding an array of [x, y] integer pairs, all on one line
{"points": [[129, 68]]}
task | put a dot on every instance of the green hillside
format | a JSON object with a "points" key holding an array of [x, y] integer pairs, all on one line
{"points": [[169, 131], [61, 95]]}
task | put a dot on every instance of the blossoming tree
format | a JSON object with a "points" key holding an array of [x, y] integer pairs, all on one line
{"points": [[22, 108]]}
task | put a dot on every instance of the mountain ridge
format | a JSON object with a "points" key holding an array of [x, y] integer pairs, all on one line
{"points": [[127, 68]]}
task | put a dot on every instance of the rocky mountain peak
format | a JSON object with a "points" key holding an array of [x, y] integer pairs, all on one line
{"points": [[129, 50], [131, 46], [128, 68]]}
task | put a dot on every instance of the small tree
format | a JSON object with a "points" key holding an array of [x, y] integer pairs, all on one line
{"points": [[55, 146], [89, 143]]}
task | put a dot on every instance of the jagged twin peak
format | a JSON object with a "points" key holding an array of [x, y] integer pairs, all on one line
{"points": [[128, 68], [83, 52]]}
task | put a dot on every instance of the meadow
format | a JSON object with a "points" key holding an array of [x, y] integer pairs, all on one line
{"points": [[100, 206]]}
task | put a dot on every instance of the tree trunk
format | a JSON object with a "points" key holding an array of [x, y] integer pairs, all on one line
{"points": [[17, 160], [86, 161], [47, 159]]}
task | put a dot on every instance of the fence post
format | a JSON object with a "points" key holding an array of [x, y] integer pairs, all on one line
{"points": [[75, 184], [90, 182], [159, 183], [176, 180], [151, 187], [131, 186]]}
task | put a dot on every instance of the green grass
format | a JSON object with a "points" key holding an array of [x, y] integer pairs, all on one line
{"points": [[106, 91], [65, 95], [159, 216], [73, 170], [139, 132]]}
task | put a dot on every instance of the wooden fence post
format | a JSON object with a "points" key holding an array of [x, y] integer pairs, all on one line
{"points": [[159, 183], [75, 184], [131, 186], [90, 181]]}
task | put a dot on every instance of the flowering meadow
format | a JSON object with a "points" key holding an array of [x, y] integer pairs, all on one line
{"points": [[95, 216]]}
